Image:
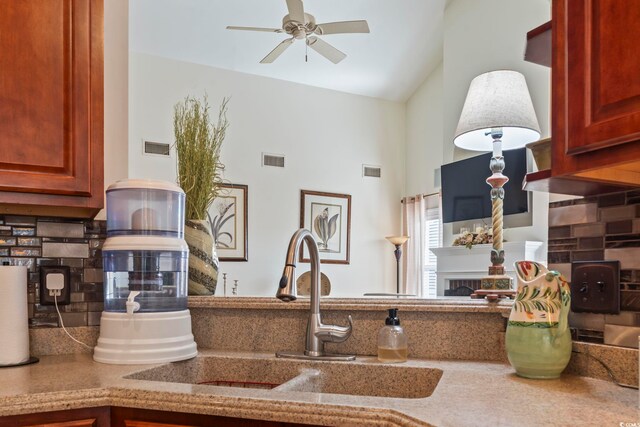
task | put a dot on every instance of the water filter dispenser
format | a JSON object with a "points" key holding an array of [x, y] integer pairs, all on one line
{"points": [[145, 262]]}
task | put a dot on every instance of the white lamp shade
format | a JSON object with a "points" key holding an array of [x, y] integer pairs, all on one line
{"points": [[497, 99]]}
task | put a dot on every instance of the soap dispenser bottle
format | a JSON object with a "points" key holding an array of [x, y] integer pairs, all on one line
{"points": [[392, 341]]}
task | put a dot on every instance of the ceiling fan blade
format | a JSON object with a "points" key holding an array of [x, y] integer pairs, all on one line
{"points": [[268, 30], [342, 27], [275, 53], [296, 10], [325, 49]]}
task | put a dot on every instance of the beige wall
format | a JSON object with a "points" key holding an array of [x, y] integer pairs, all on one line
{"points": [[325, 135], [424, 135], [478, 37], [116, 83]]}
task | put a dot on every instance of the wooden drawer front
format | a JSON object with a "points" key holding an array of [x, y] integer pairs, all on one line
{"points": [[602, 73], [88, 417], [45, 96], [88, 422]]}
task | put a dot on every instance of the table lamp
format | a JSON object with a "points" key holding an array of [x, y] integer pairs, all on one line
{"points": [[397, 241], [497, 115]]}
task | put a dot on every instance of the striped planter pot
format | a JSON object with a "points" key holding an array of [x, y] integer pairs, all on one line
{"points": [[203, 260]]}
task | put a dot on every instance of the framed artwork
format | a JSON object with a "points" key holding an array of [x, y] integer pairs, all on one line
{"points": [[328, 217], [228, 214]]}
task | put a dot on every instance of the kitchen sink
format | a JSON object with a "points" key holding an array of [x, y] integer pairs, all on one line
{"points": [[362, 377]]}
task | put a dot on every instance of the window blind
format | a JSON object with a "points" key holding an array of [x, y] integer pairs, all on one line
{"points": [[433, 239]]}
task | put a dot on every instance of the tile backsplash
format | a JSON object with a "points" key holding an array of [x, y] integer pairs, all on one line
{"points": [[605, 227], [35, 242], [599, 228]]}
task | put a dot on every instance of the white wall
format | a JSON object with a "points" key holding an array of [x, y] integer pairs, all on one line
{"points": [[485, 36], [424, 134], [326, 137], [478, 37], [116, 86]]}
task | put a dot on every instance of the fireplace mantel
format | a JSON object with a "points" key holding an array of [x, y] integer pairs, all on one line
{"points": [[460, 263]]}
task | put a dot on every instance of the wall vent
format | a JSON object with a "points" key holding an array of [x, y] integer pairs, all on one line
{"points": [[371, 171], [275, 160], [159, 148]]}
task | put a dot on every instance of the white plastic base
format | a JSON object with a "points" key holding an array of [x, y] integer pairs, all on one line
{"points": [[145, 338]]}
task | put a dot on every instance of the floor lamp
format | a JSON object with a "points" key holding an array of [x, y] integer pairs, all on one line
{"points": [[397, 241], [497, 115]]}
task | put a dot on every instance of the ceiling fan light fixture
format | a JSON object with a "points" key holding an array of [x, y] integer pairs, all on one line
{"points": [[299, 34]]}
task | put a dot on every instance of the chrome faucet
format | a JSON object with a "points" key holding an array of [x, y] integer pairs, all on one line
{"points": [[317, 333]]}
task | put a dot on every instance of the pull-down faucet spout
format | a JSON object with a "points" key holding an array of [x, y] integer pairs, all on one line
{"points": [[317, 332]]}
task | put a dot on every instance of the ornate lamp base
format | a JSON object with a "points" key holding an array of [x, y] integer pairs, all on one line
{"points": [[493, 287]]}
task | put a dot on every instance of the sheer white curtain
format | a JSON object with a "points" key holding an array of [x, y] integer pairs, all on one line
{"points": [[421, 222], [414, 225]]}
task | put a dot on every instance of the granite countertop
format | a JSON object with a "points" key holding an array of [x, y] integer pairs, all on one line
{"points": [[446, 304], [468, 393]]}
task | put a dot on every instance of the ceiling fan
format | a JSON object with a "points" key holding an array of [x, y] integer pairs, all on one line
{"points": [[300, 25]]}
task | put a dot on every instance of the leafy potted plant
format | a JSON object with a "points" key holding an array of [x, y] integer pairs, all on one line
{"points": [[198, 144]]}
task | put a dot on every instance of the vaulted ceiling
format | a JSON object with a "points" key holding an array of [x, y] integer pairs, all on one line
{"points": [[404, 45]]}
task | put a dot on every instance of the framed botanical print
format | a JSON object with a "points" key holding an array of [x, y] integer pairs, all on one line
{"points": [[228, 214], [328, 217]]}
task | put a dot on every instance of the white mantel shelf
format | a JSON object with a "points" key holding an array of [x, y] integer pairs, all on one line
{"points": [[460, 263]]}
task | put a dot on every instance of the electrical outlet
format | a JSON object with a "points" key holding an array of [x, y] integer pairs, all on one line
{"points": [[595, 286], [57, 277]]}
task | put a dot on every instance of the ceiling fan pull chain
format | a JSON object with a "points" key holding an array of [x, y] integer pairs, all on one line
{"points": [[306, 50]]}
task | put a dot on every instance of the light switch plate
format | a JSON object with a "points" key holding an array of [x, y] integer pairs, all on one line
{"points": [[595, 286], [60, 276]]}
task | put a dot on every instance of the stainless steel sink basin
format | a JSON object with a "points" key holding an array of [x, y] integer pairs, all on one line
{"points": [[363, 377]]}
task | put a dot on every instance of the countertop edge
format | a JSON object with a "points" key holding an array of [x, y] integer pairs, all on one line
{"points": [[234, 407], [264, 409], [54, 401], [354, 304]]}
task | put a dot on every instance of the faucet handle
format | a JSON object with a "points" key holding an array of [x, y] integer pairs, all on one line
{"points": [[335, 333]]}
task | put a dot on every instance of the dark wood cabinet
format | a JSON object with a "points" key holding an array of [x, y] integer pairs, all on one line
{"points": [[596, 89], [595, 98], [51, 107], [115, 416], [87, 417], [130, 417]]}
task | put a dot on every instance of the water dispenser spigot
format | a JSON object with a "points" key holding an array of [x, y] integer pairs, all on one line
{"points": [[132, 306]]}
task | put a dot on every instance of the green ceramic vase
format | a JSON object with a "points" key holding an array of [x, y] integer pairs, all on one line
{"points": [[538, 339]]}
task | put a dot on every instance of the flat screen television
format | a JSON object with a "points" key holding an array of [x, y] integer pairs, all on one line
{"points": [[465, 193]]}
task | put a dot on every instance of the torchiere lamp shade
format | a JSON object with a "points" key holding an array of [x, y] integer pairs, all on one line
{"points": [[397, 240]]}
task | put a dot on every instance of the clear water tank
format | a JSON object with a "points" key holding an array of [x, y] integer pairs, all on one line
{"points": [[146, 263], [145, 207], [156, 267], [145, 252]]}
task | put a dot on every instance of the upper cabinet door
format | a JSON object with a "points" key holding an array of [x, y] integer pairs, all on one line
{"points": [[595, 90], [603, 73], [51, 100]]}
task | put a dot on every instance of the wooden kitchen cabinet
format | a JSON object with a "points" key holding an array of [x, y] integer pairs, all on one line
{"points": [[114, 416], [130, 417], [87, 417], [595, 98], [51, 107]]}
